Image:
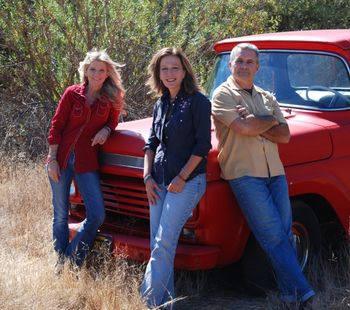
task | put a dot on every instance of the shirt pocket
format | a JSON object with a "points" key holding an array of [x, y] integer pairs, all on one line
{"points": [[268, 104], [182, 121], [102, 109], [78, 110]]}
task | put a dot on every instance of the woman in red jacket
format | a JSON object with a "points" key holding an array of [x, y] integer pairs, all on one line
{"points": [[85, 116]]}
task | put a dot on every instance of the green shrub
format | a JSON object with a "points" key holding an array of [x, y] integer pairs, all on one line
{"points": [[42, 42]]}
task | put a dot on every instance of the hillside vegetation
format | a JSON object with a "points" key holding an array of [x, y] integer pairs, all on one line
{"points": [[42, 42]]}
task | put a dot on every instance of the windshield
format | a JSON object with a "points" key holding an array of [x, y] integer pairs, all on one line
{"points": [[311, 80]]}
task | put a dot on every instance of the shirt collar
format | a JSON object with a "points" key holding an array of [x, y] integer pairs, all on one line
{"points": [[181, 94], [234, 85], [80, 89]]}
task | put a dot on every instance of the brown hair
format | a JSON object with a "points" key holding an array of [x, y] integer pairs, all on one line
{"points": [[189, 82], [112, 88]]}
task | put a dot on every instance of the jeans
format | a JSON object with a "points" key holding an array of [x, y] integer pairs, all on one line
{"points": [[167, 218], [266, 207], [90, 189]]}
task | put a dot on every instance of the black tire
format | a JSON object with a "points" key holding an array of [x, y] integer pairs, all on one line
{"points": [[256, 267], [306, 230], [257, 271]]}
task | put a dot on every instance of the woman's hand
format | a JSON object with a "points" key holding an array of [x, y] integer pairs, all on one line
{"points": [[53, 170], [151, 190], [176, 185], [101, 137]]}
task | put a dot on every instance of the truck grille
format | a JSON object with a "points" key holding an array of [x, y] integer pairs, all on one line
{"points": [[125, 196]]}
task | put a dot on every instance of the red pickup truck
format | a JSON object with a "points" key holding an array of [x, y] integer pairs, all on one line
{"points": [[309, 73]]}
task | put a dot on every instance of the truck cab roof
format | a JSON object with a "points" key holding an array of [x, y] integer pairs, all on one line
{"points": [[339, 39]]}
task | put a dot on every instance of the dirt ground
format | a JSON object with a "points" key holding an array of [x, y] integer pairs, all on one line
{"points": [[220, 289]]}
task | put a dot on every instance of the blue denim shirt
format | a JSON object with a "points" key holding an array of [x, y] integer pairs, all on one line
{"points": [[187, 132]]}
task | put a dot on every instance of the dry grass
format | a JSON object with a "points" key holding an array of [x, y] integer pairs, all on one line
{"points": [[27, 280]]}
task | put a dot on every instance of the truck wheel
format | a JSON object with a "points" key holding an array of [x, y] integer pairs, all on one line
{"points": [[307, 233], [257, 271]]}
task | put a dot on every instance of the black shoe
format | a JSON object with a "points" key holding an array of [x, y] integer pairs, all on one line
{"points": [[307, 304]]}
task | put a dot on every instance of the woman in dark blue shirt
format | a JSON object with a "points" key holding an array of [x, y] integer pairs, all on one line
{"points": [[174, 165]]}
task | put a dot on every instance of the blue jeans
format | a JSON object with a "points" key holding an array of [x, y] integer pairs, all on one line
{"points": [[167, 218], [266, 207], [90, 189]]}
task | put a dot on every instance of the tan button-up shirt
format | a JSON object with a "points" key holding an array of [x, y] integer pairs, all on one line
{"points": [[241, 155]]}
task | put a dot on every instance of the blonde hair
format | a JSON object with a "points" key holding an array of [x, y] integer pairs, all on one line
{"points": [[112, 88], [189, 82]]}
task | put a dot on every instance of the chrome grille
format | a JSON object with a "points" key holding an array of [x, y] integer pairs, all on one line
{"points": [[125, 196]]}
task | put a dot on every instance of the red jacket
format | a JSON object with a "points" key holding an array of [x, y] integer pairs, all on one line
{"points": [[74, 125]]}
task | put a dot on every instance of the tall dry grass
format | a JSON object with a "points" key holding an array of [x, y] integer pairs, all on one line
{"points": [[27, 280]]}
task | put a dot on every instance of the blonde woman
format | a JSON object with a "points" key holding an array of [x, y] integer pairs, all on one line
{"points": [[84, 118]]}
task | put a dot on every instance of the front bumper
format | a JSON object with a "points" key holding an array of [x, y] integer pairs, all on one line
{"points": [[188, 256]]}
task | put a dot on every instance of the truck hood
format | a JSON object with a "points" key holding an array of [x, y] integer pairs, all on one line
{"points": [[123, 153], [310, 141], [129, 138]]}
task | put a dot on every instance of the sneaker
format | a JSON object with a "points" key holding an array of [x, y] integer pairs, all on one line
{"points": [[307, 304]]}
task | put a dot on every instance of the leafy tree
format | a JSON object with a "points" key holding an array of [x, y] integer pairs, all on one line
{"points": [[42, 42], [312, 14]]}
